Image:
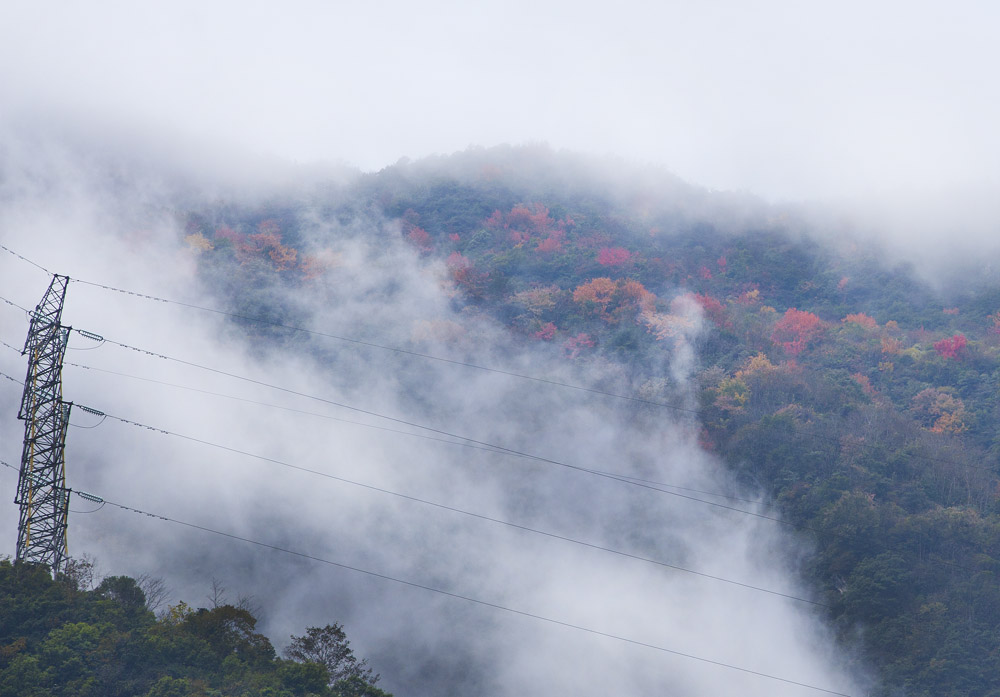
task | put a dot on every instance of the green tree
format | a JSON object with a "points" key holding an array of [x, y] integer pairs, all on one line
{"points": [[124, 591], [230, 631], [329, 647]]}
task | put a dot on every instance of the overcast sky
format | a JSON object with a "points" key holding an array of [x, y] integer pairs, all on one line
{"points": [[781, 98]]}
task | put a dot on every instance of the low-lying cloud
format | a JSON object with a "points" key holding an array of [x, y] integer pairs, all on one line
{"points": [[122, 231]]}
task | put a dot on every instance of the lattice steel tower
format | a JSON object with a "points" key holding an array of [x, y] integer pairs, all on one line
{"points": [[41, 487]]}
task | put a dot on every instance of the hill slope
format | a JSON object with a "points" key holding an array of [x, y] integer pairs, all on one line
{"points": [[848, 391]]}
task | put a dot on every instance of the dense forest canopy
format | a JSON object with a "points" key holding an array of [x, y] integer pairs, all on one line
{"points": [[61, 637], [848, 390], [855, 397]]}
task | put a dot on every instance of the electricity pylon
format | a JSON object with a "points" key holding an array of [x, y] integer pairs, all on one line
{"points": [[41, 486]]}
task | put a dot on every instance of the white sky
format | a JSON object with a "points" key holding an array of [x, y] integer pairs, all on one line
{"points": [[785, 99]]}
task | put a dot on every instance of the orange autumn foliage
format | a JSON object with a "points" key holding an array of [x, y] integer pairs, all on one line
{"points": [[635, 291], [796, 329], [599, 291], [891, 346], [862, 320], [943, 412], [611, 300]]}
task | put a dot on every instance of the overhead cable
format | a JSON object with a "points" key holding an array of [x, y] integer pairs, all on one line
{"points": [[512, 451], [475, 601], [260, 320], [410, 434], [36, 265], [445, 507]]}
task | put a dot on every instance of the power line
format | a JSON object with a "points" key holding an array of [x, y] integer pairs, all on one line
{"points": [[511, 451], [13, 380], [475, 366], [484, 445], [489, 446], [466, 441], [654, 486], [499, 448], [14, 304], [445, 507], [470, 599], [282, 407], [384, 347], [260, 320], [37, 266], [11, 347], [416, 354], [637, 482], [463, 444], [797, 526]]}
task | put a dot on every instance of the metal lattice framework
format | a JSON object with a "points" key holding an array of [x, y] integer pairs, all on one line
{"points": [[41, 487]]}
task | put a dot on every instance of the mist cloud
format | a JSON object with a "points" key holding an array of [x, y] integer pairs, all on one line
{"points": [[116, 116], [782, 99], [98, 222]]}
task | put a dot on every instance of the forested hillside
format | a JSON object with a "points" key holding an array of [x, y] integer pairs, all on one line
{"points": [[517, 308], [853, 395], [60, 637]]}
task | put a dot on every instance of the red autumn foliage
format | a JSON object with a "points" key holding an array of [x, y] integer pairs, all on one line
{"points": [[613, 256], [714, 309], [527, 222], [574, 345], [861, 319], [722, 264], [865, 383], [495, 221], [530, 219], [953, 347], [419, 238], [547, 332], [458, 262], [463, 272], [224, 232], [266, 241], [552, 243], [705, 273], [796, 329]]}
